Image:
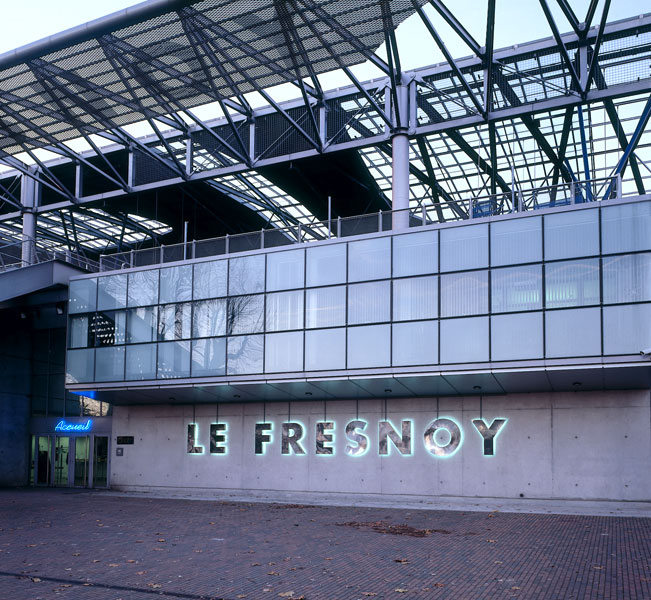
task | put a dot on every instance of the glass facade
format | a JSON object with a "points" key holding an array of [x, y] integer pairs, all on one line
{"points": [[529, 287]]}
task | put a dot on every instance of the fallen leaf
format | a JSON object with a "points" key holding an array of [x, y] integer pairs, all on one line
{"points": [[255, 564], [140, 572], [273, 573], [598, 568], [36, 579], [286, 594], [131, 560], [401, 590], [154, 585], [491, 541], [96, 560], [439, 585], [241, 595], [76, 554], [515, 587], [402, 561], [161, 539], [497, 562], [327, 558], [31, 545], [113, 565], [369, 594]]}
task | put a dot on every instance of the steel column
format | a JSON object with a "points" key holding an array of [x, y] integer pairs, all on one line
{"points": [[400, 163], [30, 191]]}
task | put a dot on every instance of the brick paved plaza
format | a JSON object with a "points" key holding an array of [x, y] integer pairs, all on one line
{"points": [[79, 544]]}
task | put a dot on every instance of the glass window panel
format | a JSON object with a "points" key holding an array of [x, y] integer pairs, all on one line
{"points": [[141, 362], [415, 298], [108, 328], [415, 343], [112, 292], [516, 288], [627, 328], [79, 366], [464, 293], [245, 314], [464, 247], [283, 352], [209, 357], [109, 364], [174, 321], [369, 346], [369, 302], [517, 240], [464, 340], [325, 349], [79, 332], [175, 284], [369, 259], [570, 333], [173, 360], [245, 354], [285, 270], [142, 324], [326, 307], [209, 318], [246, 275], [210, 279], [285, 311], [572, 283], [627, 278], [415, 254], [517, 337], [143, 288], [82, 296], [571, 234], [326, 265], [625, 228]]}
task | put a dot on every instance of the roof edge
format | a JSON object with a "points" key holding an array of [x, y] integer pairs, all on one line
{"points": [[81, 33]]}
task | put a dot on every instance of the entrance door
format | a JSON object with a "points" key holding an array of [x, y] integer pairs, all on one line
{"points": [[100, 461], [61, 458], [42, 459], [82, 464]]}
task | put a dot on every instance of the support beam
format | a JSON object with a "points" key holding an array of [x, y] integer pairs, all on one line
{"points": [[30, 191], [400, 164]]}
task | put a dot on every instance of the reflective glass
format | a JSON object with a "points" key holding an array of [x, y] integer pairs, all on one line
{"points": [[108, 328], [283, 352], [285, 270], [141, 362], [175, 284], [112, 292], [245, 314], [79, 365], [627, 328], [285, 311], [369, 346], [516, 288], [572, 283], [173, 360], [464, 293], [246, 275], [82, 296], [174, 321], [415, 254], [415, 298], [571, 333], [571, 234], [464, 340], [142, 324], [109, 364], [209, 357], [245, 354], [143, 288], [627, 278], [517, 240], [369, 302], [326, 265], [517, 337], [325, 349], [625, 228], [78, 328], [326, 307], [209, 318], [415, 343], [210, 279], [369, 259], [464, 247]]}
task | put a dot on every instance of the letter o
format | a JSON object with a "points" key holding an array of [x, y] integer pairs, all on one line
{"points": [[455, 437]]}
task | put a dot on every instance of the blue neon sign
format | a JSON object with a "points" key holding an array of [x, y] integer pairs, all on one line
{"points": [[65, 426]]}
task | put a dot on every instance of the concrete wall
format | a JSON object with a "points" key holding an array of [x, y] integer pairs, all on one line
{"points": [[15, 384], [591, 445]]}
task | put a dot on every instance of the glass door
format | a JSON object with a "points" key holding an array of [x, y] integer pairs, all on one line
{"points": [[82, 446], [61, 448], [43, 464], [100, 461]]}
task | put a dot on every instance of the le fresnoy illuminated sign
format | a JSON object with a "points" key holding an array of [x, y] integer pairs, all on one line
{"points": [[64, 425], [442, 438]]}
